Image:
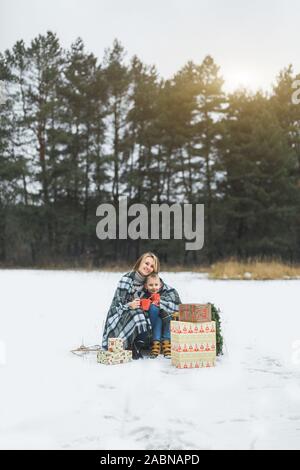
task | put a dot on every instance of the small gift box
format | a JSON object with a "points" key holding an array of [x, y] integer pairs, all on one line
{"points": [[196, 313], [110, 358], [115, 344]]}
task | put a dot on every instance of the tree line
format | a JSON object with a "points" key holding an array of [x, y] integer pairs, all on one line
{"points": [[76, 132]]}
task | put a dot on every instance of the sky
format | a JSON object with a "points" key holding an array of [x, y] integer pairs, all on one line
{"points": [[251, 41]]}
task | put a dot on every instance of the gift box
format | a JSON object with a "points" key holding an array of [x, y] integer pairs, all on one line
{"points": [[182, 327], [115, 344], [196, 313], [116, 354], [193, 345], [193, 360], [110, 358]]}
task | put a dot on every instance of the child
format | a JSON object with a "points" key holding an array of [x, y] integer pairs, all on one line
{"points": [[160, 320]]}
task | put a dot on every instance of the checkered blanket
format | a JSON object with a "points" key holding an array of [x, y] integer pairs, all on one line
{"points": [[126, 323]]}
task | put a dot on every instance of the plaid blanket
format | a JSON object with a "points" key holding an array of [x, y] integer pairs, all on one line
{"points": [[126, 323]]}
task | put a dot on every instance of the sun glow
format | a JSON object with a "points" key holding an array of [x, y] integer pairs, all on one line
{"points": [[242, 78]]}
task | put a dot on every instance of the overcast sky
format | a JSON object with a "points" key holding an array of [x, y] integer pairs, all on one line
{"points": [[252, 40]]}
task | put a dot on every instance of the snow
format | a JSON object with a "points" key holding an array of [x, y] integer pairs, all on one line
{"points": [[51, 399]]}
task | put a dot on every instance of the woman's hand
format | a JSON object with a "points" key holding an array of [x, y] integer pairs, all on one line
{"points": [[136, 303]]}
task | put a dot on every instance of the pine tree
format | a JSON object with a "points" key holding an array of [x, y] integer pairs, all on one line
{"points": [[118, 81], [6, 170], [211, 106], [117, 76], [140, 137], [259, 194], [177, 107], [82, 95], [38, 70], [288, 114]]}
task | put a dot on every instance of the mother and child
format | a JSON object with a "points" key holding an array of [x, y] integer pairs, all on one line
{"points": [[142, 309]]}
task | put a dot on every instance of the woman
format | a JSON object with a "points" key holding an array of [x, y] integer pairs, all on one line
{"points": [[125, 318]]}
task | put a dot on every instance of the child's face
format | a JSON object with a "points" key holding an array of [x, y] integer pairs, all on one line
{"points": [[153, 284]]}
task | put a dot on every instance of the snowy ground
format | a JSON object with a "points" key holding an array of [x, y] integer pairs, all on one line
{"points": [[53, 399]]}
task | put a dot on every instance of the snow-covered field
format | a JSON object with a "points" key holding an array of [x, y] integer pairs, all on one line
{"points": [[53, 399]]}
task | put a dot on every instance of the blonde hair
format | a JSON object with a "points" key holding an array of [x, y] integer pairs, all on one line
{"points": [[152, 276], [147, 255]]}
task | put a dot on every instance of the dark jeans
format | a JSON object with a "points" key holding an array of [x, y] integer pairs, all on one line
{"points": [[160, 328]]}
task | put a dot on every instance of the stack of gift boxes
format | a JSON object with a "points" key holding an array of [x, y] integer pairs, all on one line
{"points": [[116, 354], [193, 337]]}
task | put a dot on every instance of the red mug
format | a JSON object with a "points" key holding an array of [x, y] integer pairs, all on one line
{"points": [[155, 297], [145, 304]]}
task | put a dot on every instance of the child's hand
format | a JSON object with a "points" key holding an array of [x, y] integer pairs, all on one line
{"points": [[135, 303]]}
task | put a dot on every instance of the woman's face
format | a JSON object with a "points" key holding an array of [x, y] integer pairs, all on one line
{"points": [[146, 266]]}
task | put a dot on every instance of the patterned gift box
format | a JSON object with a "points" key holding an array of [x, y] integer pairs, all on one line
{"points": [[182, 327], [193, 360], [110, 358], [196, 313], [197, 345], [115, 344], [193, 345]]}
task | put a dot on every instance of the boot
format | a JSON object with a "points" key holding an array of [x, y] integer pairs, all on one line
{"points": [[137, 346], [155, 349], [166, 348]]}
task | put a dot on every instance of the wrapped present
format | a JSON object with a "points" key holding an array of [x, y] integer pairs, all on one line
{"points": [[115, 344], [110, 358], [193, 360], [190, 328], [196, 313], [116, 354], [208, 345], [193, 345]]}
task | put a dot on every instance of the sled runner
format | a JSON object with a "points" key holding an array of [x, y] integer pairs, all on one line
{"points": [[82, 350]]}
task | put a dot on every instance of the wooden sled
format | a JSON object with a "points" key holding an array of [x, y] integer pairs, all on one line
{"points": [[82, 350]]}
